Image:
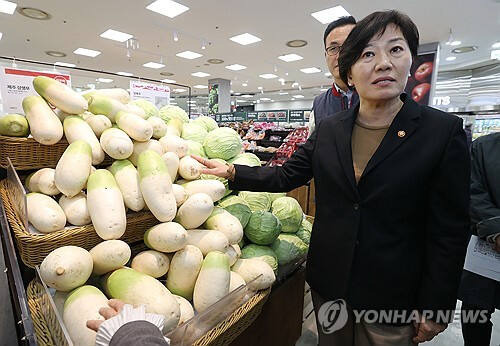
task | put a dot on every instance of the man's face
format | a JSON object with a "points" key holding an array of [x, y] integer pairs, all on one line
{"points": [[336, 38]]}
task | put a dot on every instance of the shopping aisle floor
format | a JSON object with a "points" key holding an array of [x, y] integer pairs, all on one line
{"points": [[452, 336]]}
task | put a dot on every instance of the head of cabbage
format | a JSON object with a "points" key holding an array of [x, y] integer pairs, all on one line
{"points": [[262, 228], [173, 112], [275, 195], [262, 252], [194, 132], [149, 108], [304, 232], [256, 200], [195, 148], [289, 212], [238, 207], [223, 143], [247, 159], [289, 248], [207, 122]]}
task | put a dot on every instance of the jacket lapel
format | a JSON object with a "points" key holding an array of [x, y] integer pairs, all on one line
{"points": [[402, 127]]}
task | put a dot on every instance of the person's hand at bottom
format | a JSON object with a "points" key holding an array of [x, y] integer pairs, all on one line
{"points": [[115, 306], [426, 330]]}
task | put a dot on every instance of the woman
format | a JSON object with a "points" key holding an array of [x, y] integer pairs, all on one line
{"points": [[392, 194]]}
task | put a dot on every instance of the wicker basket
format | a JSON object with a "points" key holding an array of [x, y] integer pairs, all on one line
{"points": [[26, 153], [33, 248], [222, 334]]}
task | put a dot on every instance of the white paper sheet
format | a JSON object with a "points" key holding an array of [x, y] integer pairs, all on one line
{"points": [[482, 259]]}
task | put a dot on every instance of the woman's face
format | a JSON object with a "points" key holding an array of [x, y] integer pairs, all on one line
{"points": [[381, 72]]}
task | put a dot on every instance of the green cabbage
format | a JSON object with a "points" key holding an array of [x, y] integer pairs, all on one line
{"points": [[149, 108], [275, 195], [207, 122], [237, 207], [195, 148], [194, 132], [289, 212], [223, 143], [256, 200], [262, 228], [304, 232], [173, 112], [289, 248], [247, 159], [264, 253]]}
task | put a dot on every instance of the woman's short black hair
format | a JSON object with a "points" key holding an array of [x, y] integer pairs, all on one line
{"points": [[342, 21], [366, 29]]}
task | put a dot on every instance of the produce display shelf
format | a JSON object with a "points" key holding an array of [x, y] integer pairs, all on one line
{"points": [[268, 143]]}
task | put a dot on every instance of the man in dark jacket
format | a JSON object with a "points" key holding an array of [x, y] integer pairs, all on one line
{"points": [[478, 292], [339, 97]]}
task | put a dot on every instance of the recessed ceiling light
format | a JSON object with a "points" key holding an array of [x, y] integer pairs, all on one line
{"points": [[310, 70], [236, 67], [65, 64], [114, 35], [247, 96], [167, 8], [328, 74], [179, 90], [7, 7], [87, 52], [55, 54], [244, 84], [1, 35], [200, 86], [495, 54], [455, 43], [290, 57], [298, 96], [126, 74], [200, 74], [245, 39], [260, 88], [215, 61], [104, 80], [466, 49], [237, 94], [33, 13], [451, 58], [330, 14], [153, 64], [495, 45], [283, 93], [268, 76], [166, 74], [265, 99], [296, 43], [242, 101], [168, 81], [188, 55]]}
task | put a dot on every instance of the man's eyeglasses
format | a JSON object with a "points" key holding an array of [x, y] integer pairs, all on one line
{"points": [[333, 50]]}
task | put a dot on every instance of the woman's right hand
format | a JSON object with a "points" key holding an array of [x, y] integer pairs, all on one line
{"points": [[212, 167]]}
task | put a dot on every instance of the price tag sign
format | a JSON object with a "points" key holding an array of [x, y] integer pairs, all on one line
{"points": [[157, 94]]}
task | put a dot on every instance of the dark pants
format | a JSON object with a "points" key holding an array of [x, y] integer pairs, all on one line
{"points": [[478, 333]]}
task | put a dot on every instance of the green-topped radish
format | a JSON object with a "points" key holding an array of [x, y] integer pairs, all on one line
{"points": [[45, 126], [187, 311], [174, 144], [107, 106], [252, 268], [75, 128], [226, 223], [44, 213], [109, 255], [139, 147], [213, 281], [180, 194], [151, 262], [117, 94], [116, 143], [43, 181], [172, 161], [159, 127], [134, 126], [236, 281], [189, 168], [60, 95], [73, 168], [14, 125], [207, 240], [127, 178], [195, 210], [75, 208], [166, 237], [214, 188], [98, 123], [184, 269]]}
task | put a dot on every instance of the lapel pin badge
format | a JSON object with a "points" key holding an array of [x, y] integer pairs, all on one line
{"points": [[401, 134]]}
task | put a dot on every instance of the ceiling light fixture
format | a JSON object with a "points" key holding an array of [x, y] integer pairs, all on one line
{"points": [[298, 96], [7, 7], [167, 8], [465, 49], [1, 35], [245, 39], [126, 74], [179, 90], [268, 76], [87, 52], [495, 54], [215, 61], [115, 35], [247, 96], [290, 57], [33, 13], [244, 84], [166, 74], [283, 93], [189, 55], [203, 45], [200, 74], [236, 67], [168, 81], [104, 80], [153, 64], [55, 53], [176, 36], [330, 14], [265, 99], [310, 70], [451, 58], [200, 86], [495, 45], [296, 43], [65, 64]]}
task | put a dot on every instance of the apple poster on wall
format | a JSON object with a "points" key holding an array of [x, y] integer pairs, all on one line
{"points": [[419, 83]]}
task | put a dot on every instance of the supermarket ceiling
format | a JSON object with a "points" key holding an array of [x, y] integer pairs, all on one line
{"points": [[212, 23]]}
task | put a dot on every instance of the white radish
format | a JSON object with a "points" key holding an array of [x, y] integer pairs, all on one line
{"points": [[226, 223], [116, 143], [166, 237], [60, 95], [174, 144], [75, 128], [187, 311], [106, 206], [151, 262], [195, 210], [207, 240], [214, 188], [189, 168], [236, 281], [66, 268], [213, 281], [44, 213], [183, 272], [83, 304], [76, 210], [159, 127], [156, 186], [127, 178], [104, 105], [43, 181], [98, 123], [131, 108], [251, 269], [73, 168], [180, 194], [172, 161], [232, 254], [117, 94], [45, 126], [109, 255], [139, 147], [134, 126]]}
